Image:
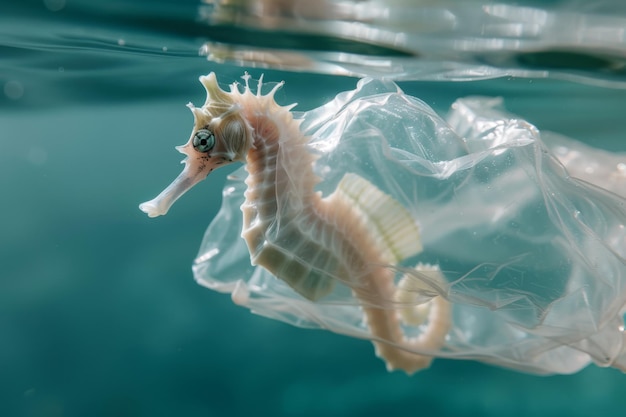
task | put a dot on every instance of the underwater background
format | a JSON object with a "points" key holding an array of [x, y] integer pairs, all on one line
{"points": [[99, 312]]}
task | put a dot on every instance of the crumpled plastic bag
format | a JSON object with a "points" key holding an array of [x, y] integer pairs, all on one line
{"points": [[534, 259]]}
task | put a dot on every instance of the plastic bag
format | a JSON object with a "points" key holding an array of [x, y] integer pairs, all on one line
{"points": [[534, 260]]}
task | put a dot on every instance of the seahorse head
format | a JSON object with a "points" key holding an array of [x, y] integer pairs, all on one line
{"points": [[220, 136]]}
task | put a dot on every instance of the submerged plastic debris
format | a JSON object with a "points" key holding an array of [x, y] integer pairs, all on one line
{"points": [[464, 238]]}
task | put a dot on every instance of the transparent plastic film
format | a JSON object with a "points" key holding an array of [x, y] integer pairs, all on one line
{"points": [[519, 263]]}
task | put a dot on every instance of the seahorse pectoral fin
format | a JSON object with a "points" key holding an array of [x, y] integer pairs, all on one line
{"points": [[390, 223]]}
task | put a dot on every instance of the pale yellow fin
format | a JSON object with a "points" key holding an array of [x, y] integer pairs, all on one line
{"points": [[392, 226]]}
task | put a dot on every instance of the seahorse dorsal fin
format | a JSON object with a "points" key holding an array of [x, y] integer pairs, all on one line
{"points": [[396, 232]]}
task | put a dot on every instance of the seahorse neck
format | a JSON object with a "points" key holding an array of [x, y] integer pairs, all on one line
{"points": [[279, 163]]}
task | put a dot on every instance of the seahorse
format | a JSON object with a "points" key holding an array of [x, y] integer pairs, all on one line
{"points": [[354, 236]]}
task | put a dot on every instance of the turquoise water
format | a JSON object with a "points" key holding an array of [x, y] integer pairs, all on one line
{"points": [[99, 314]]}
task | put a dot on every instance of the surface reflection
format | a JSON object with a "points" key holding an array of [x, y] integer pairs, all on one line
{"points": [[426, 40]]}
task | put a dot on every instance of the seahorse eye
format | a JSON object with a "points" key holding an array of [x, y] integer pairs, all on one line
{"points": [[203, 140]]}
